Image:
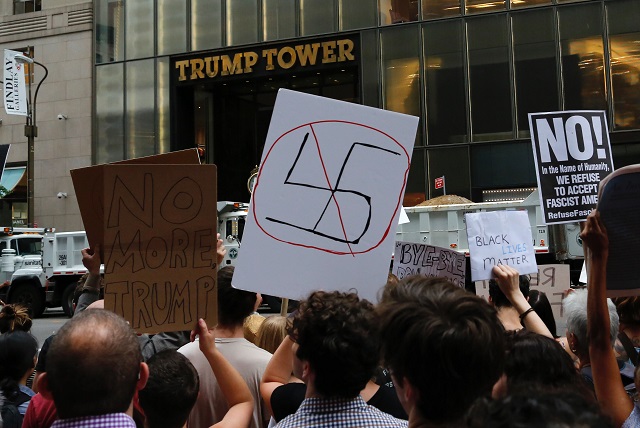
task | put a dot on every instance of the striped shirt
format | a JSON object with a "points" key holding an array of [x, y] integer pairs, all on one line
{"points": [[111, 420], [339, 413]]}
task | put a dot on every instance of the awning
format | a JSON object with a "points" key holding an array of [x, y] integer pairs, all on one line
{"points": [[11, 177]]}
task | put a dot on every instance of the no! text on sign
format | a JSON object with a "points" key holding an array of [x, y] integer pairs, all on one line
{"points": [[572, 154]]}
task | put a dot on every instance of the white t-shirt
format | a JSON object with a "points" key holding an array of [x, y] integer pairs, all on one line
{"points": [[244, 356]]}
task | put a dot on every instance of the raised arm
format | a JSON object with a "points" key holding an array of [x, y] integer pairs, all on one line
{"points": [[91, 288], [610, 392], [231, 383], [509, 281], [278, 371]]}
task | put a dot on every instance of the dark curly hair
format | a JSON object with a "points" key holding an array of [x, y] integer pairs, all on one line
{"points": [[446, 342], [335, 333], [535, 409], [538, 363]]}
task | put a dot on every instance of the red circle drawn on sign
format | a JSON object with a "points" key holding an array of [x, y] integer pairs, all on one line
{"points": [[342, 253]]}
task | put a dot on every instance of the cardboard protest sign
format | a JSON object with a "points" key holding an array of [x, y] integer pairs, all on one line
{"points": [[619, 205], [160, 245], [499, 238], [88, 185], [553, 280], [572, 154], [421, 259], [327, 198]]}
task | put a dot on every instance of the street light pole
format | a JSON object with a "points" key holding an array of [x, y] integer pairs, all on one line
{"points": [[31, 131]]}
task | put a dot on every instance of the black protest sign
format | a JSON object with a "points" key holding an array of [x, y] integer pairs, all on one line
{"points": [[572, 154]]}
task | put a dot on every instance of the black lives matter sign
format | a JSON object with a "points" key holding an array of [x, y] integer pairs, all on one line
{"points": [[572, 154]]}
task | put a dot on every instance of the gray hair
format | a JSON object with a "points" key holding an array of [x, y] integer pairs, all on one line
{"points": [[575, 309]]}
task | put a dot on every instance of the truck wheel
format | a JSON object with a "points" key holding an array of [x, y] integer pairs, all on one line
{"points": [[31, 297], [67, 299]]}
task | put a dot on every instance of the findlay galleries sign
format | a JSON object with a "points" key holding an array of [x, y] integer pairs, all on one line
{"points": [[15, 96], [572, 154]]}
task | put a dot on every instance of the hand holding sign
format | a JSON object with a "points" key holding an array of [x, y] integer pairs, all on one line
{"points": [[509, 281]]}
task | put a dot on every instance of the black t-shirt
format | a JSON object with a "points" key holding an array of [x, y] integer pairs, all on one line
{"points": [[41, 365], [286, 399]]}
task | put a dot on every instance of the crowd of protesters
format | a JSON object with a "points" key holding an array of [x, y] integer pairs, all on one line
{"points": [[428, 354]]}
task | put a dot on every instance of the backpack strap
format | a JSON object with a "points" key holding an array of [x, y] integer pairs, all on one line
{"points": [[629, 348]]}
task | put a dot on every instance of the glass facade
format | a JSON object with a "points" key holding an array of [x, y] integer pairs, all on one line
{"points": [[472, 70]]}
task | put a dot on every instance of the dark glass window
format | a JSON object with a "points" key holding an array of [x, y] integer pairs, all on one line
{"points": [[416, 188], [534, 52], [489, 78], [369, 68], [445, 76], [279, 19], [358, 14], [317, 17], [140, 113], [242, 22], [139, 18], [440, 8], [401, 69], [483, 6], [26, 6], [582, 53], [109, 113], [172, 27], [206, 24], [453, 164], [109, 31], [505, 165], [397, 11], [624, 45]]}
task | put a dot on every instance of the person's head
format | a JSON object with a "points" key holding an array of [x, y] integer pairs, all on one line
{"points": [[497, 297], [14, 317], [234, 305], [336, 344], [271, 333], [170, 392], [628, 310], [445, 347], [565, 409], [538, 363], [575, 310], [94, 365], [18, 351], [540, 303]]}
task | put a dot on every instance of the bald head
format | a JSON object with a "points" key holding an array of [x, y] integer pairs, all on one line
{"points": [[93, 365]]}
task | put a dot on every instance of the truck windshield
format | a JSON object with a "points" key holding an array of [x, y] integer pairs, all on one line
{"points": [[27, 246]]}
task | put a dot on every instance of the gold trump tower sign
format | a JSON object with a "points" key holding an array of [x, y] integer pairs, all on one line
{"points": [[265, 60]]}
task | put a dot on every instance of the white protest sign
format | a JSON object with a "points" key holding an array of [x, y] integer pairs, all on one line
{"points": [[499, 238], [553, 280], [572, 154], [327, 199], [422, 259], [15, 94]]}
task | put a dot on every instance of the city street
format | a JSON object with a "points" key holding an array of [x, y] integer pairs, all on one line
{"points": [[48, 323]]}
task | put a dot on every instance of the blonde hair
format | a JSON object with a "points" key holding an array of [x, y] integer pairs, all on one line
{"points": [[271, 333], [14, 317]]}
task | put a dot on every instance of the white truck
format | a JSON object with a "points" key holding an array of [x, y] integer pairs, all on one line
{"points": [[41, 268], [444, 226]]}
